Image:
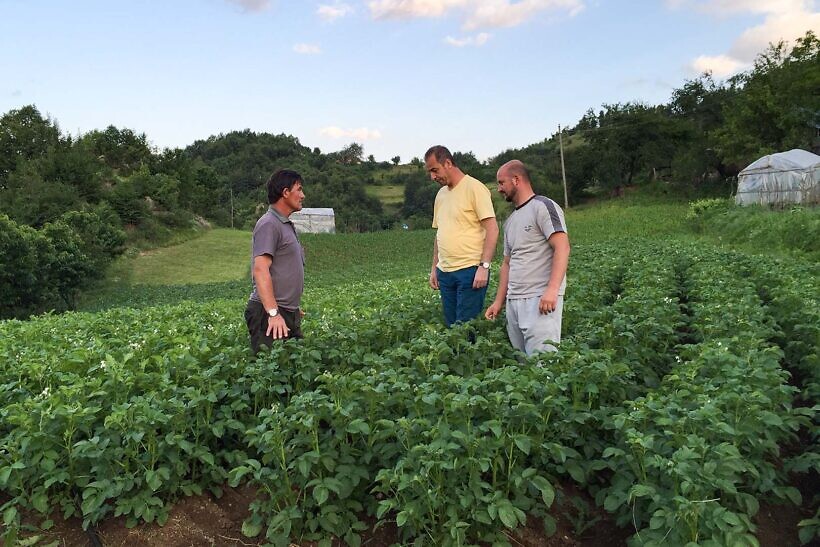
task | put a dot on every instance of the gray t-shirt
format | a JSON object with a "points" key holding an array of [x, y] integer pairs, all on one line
{"points": [[275, 235], [526, 232]]}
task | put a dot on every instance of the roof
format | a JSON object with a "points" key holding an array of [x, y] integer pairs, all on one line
{"points": [[320, 211], [792, 160]]}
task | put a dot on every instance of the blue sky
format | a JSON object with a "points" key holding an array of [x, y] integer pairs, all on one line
{"points": [[394, 75]]}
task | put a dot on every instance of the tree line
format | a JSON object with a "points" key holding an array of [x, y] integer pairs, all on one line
{"points": [[54, 187]]}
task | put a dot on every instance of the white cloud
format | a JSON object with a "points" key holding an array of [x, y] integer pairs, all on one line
{"points": [[784, 20], [252, 5], [719, 65], [726, 7], [787, 27], [359, 134], [332, 12], [307, 49], [412, 9], [477, 40], [474, 13]]}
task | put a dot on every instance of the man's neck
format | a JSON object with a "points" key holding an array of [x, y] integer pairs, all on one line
{"points": [[521, 199], [282, 209], [457, 176]]}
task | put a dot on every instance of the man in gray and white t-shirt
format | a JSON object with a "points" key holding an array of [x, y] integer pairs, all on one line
{"points": [[533, 275]]}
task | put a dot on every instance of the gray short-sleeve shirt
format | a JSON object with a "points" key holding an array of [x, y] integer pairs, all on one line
{"points": [[526, 232], [274, 235]]}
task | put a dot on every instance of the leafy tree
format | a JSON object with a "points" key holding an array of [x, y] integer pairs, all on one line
{"points": [[395, 160], [65, 267], [120, 149], [24, 135], [28, 198], [632, 138], [419, 196], [101, 233], [775, 105], [351, 154], [19, 267]]}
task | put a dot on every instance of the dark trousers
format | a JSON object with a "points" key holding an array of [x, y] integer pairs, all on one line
{"points": [[461, 302], [257, 320]]}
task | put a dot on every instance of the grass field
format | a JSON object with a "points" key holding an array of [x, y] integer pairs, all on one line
{"points": [[223, 254], [216, 265], [220, 254], [391, 195]]}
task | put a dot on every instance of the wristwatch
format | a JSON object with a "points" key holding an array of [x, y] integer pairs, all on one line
{"points": [[485, 265], [273, 312]]}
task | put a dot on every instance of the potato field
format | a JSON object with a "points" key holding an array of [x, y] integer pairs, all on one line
{"points": [[682, 398]]}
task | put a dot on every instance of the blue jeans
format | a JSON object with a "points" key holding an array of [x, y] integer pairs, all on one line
{"points": [[460, 301]]}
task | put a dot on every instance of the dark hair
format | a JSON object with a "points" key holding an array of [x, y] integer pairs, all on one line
{"points": [[441, 153], [279, 181]]}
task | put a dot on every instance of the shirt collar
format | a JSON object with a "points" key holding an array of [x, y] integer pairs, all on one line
{"points": [[526, 202], [278, 215]]}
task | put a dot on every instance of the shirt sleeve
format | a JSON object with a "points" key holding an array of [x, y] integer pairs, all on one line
{"points": [[507, 246], [265, 240], [550, 218], [483, 201]]}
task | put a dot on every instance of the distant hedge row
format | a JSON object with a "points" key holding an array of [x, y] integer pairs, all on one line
{"points": [[42, 270]]}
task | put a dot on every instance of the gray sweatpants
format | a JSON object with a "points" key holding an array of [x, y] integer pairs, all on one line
{"points": [[528, 329]]}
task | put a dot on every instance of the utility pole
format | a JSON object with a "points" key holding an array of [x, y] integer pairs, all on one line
{"points": [[231, 207], [563, 171]]}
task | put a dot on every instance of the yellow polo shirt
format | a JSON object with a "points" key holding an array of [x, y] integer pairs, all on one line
{"points": [[457, 216]]}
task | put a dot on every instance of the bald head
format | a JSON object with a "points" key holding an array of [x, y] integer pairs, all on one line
{"points": [[515, 168], [514, 182]]}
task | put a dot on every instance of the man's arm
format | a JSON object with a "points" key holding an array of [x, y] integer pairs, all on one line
{"points": [[559, 241], [490, 239], [501, 294], [264, 288], [433, 272]]}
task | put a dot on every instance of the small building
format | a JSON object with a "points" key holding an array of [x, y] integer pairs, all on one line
{"points": [[314, 220], [780, 179]]}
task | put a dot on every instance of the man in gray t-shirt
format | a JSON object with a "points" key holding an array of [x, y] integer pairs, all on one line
{"points": [[277, 265], [533, 275]]}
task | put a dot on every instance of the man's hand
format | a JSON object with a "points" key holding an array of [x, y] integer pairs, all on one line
{"points": [[277, 327], [548, 301], [493, 311], [482, 275], [433, 279]]}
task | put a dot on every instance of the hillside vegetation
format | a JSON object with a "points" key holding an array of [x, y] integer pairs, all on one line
{"points": [[54, 186]]}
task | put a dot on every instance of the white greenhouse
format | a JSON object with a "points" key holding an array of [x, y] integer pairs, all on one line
{"points": [[780, 179], [314, 220]]}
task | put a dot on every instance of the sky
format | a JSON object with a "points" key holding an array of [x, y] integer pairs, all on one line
{"points": [[396, 76]]}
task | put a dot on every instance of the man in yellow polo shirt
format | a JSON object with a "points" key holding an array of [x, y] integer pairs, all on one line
{"points": [[466, 234]]}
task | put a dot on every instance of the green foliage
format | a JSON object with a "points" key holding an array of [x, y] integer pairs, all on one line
{"points": [[702, 207], [24, 135], [794, 230], [121, 150], [19, 267], [44, 269], [774, 106], [102, 237], [29, 198]]}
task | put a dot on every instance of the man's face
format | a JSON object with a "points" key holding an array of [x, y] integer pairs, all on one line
{"points": [[438, 172], [506, 185], [294, 196]]}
